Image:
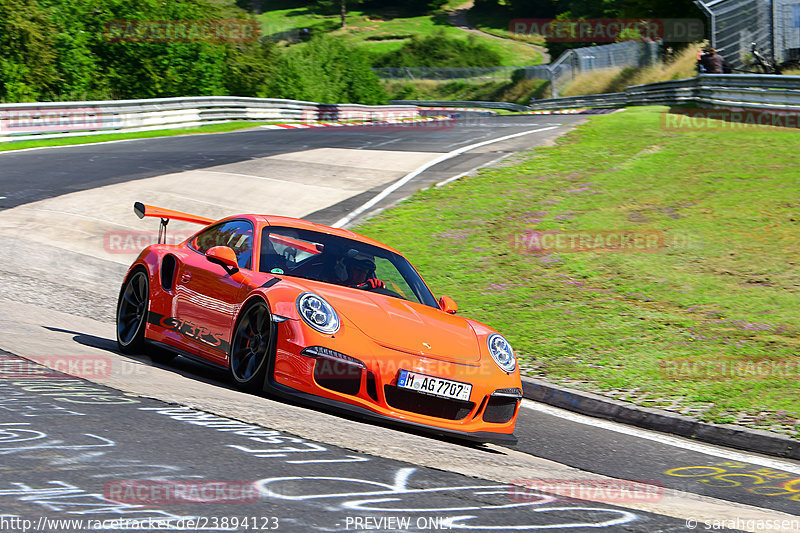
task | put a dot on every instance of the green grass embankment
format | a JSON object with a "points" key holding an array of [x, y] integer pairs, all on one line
{"points": [[707, 316]]}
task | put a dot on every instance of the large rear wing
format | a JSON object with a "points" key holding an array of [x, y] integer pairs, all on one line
{"points": [[143, 210], [166, 215]]}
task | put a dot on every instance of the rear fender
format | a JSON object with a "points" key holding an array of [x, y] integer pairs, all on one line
{"points": [[159, 301]]}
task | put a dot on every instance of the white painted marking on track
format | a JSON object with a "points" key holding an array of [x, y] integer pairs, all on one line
{"points": [[408, 177], [470, 171], [369, 146], [678, 442], [2, 197]]}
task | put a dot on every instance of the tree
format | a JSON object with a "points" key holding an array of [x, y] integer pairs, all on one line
{"points": [[326, 70], [27, 64]]}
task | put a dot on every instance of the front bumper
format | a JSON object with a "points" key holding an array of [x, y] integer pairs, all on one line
{"points": [[350, 372]]}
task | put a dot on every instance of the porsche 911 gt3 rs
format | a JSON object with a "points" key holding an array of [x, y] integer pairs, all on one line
{"points": [[319, 314]]}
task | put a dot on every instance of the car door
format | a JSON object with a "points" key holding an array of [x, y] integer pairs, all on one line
{"points": [[207, 297]]}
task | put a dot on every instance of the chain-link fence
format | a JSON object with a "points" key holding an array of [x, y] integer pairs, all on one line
{"points": [[559, 73], [773, 25], [573, 62], [445, 73]]}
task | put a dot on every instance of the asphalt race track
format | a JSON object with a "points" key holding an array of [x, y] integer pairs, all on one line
{"points": [[99, 445]]}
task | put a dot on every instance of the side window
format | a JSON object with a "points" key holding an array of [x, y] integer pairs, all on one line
{"points": [[236, 234], [387, 272], [283, 249]]}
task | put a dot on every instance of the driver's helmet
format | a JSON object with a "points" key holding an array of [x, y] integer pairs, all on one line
{"points": [[361, 262], [354, 262]]}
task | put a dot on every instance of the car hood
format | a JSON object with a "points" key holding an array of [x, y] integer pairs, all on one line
{"points": [[405, 326]]}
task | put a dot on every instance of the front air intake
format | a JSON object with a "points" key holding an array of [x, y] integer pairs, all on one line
{"points": [[425, 404]]}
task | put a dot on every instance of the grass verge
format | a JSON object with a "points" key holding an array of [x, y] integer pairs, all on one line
{"points": [[707, 320], [91, 139]]}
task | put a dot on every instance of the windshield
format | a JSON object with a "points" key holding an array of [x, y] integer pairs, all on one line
{"points": [[320, 257]]}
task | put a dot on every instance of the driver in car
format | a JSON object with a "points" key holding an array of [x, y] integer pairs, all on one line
{"points": [[360, 272]]}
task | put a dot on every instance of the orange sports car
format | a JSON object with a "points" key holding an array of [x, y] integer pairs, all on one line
{"points": [[321, 314]]}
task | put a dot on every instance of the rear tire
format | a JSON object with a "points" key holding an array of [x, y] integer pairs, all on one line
{"points": [[132, 309], [251, 346]]}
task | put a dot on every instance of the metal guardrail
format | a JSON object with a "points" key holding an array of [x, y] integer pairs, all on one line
{"points": [[508, 106], [591, 100], [42, 118], [706, 90]]}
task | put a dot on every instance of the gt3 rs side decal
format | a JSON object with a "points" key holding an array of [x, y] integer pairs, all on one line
{"points": [[190, 330]]}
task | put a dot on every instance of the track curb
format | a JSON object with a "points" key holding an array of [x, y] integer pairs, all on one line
{"points": [[590, 404]]}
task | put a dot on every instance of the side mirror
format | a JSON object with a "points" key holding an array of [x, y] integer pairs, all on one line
{"points": [[224, 257], [447, 305]]}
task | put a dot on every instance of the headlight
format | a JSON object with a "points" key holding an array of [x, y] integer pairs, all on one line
{"points": [[502, 353], [317, 313]]}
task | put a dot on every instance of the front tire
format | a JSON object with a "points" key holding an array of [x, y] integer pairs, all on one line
{"points": [[132, 309], [251, 346]]}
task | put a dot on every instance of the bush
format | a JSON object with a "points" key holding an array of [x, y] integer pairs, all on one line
{"points": [[440, 50], [326, 70]]}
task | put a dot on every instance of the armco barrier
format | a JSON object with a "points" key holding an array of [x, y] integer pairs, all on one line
{"points": [[43, 118], [706, 90], [459, 103]]}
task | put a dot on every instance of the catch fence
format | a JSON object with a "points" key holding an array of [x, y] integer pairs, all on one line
{"points": [[773, 25], [562, 71]]}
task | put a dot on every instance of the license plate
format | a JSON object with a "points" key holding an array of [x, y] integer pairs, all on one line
{"points": [[443, 388]]}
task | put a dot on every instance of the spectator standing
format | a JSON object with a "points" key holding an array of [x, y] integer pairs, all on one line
{"points": [[713, 62], [701, 68]]}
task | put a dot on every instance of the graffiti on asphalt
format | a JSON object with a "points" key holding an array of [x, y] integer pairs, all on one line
{"points": [[457, 505], [752, 478], [271, 443]]}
